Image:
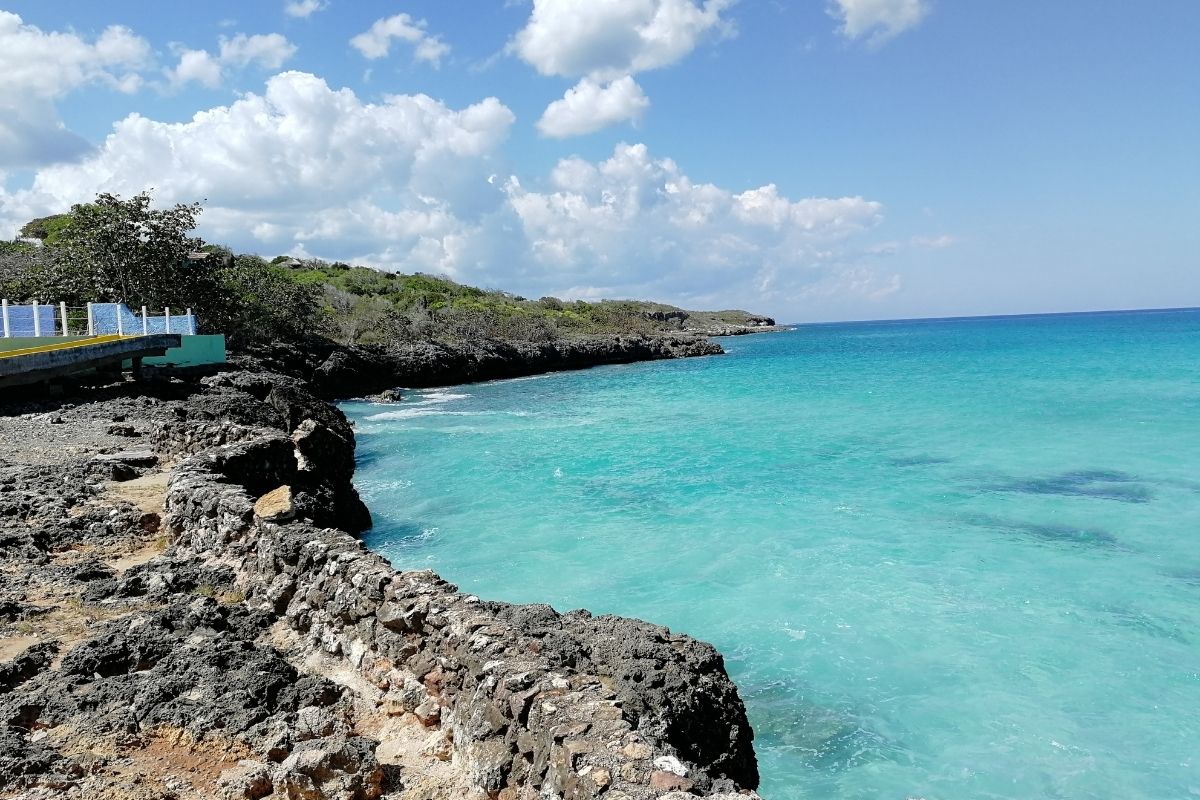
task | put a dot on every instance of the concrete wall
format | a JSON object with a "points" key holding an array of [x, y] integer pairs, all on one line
{"points": [[193, 351]]}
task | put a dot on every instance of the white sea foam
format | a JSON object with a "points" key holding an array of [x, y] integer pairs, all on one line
{"points": [[436, 397], [411, 413]]}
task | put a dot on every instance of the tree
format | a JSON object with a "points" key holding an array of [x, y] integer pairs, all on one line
{"points": [[115, 250], [21, 266], [46, 229], [250, 300]]}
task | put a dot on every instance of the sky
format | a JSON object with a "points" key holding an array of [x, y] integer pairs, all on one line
{"points": [[815, 160]]}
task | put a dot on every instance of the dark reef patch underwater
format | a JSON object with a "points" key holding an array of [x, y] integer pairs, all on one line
{"points": [[951, 558]]}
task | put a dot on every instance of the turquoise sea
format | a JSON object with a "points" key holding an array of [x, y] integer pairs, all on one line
{"points": [[944, 559]]}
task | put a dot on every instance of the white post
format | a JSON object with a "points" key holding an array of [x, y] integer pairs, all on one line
{"points": [[168, 318], [62, 315], [37, 320], [4, 313], [145, 323], [91, 321], [120, 319], [191, 324]]}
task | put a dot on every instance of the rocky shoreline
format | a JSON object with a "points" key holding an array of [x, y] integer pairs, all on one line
{"points": [[334, 371], [187, 613]]}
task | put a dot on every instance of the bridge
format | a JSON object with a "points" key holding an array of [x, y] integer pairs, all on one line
{"points": [[42, 362], [45, 340]]}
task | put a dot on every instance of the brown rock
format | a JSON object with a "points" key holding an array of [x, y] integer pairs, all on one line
{"points": [[601, 777], [429, 712], [636, 750], [664, 781], [276, 505]]}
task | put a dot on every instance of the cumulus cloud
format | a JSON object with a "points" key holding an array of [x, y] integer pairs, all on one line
{"points": [[605, 42], [196, 66], [40, 67], [608, 38], [879, 20], [590, 106], [412, 184], [303, 164], [633, 224], [268, 51], [304, 8], [376, 42]]}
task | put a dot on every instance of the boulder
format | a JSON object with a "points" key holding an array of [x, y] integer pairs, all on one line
{"points": [[276, 505]]}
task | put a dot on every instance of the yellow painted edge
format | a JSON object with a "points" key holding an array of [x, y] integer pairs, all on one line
{"points": [[47, 348]]}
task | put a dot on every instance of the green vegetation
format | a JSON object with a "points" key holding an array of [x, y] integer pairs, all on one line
{"points": [[116, 250], [47, 229], [123, 250], [364, 305]]}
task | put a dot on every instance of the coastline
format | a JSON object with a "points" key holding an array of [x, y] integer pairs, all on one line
{"points": [[423, 686], [336, 372]]}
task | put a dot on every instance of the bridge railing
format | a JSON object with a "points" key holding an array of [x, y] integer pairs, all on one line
{"points": [[95, 319]]}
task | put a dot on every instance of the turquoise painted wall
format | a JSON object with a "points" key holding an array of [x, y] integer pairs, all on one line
{"points": [[193, 351]]}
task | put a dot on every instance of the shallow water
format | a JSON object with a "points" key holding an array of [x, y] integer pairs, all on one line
{"points": [[944, 559]]}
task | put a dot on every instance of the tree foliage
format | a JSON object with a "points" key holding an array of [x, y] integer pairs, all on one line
{"points": [[250, 300], [124, 250], [115, 250]]}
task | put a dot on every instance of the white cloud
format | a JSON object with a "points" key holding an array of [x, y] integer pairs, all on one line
{"points": [[939, 242], [608, 41], [401, 181], [268, 51], [634, 225], [196, 66], [377, 41], [590, 106], [878, 19], [411, 184], [40, 67], [609, 38], [304, 8]]}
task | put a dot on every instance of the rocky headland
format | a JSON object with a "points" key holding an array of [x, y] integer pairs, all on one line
{"points": [[187, 612], [336, 371]]}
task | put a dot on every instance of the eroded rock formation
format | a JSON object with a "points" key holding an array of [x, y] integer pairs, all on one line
{"points": [[247, 645]]}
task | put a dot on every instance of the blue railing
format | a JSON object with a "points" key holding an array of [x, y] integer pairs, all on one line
{"points": [[95, 319], [31, 321], [118, 318]]}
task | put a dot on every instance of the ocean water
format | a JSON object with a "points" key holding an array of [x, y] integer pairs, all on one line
{"points": [[943, 559]]}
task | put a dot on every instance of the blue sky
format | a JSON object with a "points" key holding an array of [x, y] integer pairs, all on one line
{"points": [[813, 160]]}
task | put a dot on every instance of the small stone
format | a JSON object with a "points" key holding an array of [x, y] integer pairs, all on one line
{"points": [[636, 750], [387, 396], [671, 764], [669, 782], [313, 723], [249, 780], [276, 505], [439, 747], [429, 712]]}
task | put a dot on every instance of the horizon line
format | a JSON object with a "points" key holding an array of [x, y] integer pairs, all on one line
{"points": [[963, 317]]}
